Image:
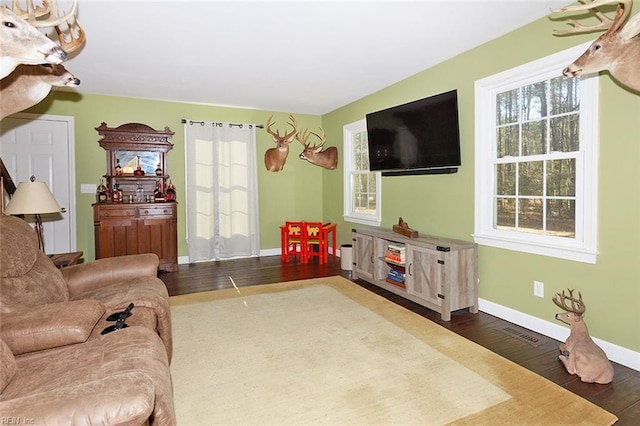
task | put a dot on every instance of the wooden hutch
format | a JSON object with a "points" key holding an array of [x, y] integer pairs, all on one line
{"points": [[137, 222]]}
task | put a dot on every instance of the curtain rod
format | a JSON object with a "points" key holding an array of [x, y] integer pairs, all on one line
{"points": [[218, 124]]}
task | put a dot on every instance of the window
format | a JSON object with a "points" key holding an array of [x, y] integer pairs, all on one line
{"points": [[361, 187], [536, 160]]}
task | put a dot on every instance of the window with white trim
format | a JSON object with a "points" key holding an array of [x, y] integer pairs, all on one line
{"points": [[536, 160], [362, 193]]}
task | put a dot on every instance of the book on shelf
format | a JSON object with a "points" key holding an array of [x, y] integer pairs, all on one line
{"points": [[392, 255], [396, 252], [395, 282], [394, 273], [392, 248], [394, 259], [398, 280]]}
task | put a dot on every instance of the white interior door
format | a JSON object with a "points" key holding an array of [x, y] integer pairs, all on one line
{"points": [[43, 146]]}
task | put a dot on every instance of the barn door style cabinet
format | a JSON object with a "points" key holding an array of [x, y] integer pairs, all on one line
{"points": [[135, 215], [438, 273]]}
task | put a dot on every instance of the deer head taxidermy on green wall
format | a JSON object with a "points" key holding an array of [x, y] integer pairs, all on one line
{"points": [[327, 158], [616, 51], [274, 158]]}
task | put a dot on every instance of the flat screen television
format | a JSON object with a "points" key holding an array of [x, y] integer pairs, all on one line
{"points": [[419, 137]]}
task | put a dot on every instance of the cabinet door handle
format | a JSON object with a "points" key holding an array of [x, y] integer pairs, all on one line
{"points": [[410, 269]]}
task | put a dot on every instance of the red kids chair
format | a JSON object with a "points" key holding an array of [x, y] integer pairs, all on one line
{"points": [[292, 241], [316, 241]]}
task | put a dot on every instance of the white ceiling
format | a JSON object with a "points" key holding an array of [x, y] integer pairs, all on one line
{"points": [[307, 57]]}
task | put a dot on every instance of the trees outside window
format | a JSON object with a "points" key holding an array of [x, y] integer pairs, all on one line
{"points": [[361, 187], [536, 160]]}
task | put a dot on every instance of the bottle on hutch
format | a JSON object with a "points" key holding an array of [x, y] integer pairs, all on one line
{"points": [[158, 194], [171, 192], [139, 193], [118, 168], [115, 194], [101, 193], [138, 171]]}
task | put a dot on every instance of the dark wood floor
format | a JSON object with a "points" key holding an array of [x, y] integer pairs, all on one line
{"points": [[621, 397]]}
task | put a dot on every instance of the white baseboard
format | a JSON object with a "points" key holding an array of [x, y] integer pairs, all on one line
{"points": [[615, 353], [184, 260], [270, 252], [276, 252]]}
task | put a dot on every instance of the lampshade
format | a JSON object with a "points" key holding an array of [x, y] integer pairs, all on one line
{"points": [[32, 198]]}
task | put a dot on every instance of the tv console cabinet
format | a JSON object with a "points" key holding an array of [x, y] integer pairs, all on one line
{"points": [[438, 273]]}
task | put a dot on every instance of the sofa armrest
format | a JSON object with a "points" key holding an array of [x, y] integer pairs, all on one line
{"points": [[99, 273], [123, 399], [50, 326]]}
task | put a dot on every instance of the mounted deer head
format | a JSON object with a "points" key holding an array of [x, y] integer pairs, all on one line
{"points": [[616, 51], [314, 154], [274, 158], [22, 43], [27, 85], [579, 353]]}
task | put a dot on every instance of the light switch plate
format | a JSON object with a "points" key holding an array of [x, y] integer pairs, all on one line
{"points": [[87, 188]]}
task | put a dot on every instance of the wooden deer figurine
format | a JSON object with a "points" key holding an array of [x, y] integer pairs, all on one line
{"points": [[616, 51], [314, 154], [27, 85], [579, 353], [274, 158]]}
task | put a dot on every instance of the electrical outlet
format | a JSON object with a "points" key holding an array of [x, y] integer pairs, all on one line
{"points": [[538, 289]]}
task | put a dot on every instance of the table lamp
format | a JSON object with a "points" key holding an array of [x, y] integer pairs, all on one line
{"points": [[33, 198]]}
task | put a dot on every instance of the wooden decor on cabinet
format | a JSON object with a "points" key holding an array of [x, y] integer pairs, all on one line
{"points": [[136, 224]]}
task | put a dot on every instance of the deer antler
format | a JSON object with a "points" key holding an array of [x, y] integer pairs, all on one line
{"points": [[322, 136], [577, 305], [32, 13], [304, 136], [606, 23], [71, 38], [287, 136], [49, 7]]}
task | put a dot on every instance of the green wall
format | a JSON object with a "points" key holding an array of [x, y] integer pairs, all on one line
{"points": [[443, 205], [439, 205], [294, 193]]}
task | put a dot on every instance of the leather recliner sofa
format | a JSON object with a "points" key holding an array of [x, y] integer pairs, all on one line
{"points": [[57, 366]]}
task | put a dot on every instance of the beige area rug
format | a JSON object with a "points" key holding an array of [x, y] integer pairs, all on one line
{"points": [[326, 351]]}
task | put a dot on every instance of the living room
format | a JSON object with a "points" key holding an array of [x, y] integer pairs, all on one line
{"points": [[434, 205]]}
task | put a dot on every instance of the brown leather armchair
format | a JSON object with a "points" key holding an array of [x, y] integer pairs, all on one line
{"points": [[44, 308], [119, 378], [56, 366]]}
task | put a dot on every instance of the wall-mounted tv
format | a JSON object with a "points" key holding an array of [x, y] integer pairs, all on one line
{"points": [[419, 137]]}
